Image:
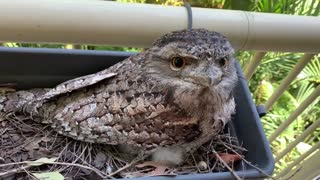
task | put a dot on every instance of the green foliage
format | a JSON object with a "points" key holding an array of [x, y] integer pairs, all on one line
{"points": [[132, 1], [308, 79], [268, 76], [263, 92], [109, 48], [297, 7]]}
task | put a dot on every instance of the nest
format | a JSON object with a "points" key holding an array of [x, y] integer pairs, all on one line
{"points": [[28, 149], [31, 150]]}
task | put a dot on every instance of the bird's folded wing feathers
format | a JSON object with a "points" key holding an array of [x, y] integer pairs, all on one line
{"points": [[77, 83], [72, 85]]}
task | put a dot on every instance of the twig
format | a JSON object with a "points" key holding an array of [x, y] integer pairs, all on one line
{"points": [[20, 119], [15, 150], [124, 167], [238, 147], [226, 165], [4, 131], [249, 163], [89, 153], [101, 174], [77, 158], [12, 171], [89, 165], [54, 141], [195, 163], [214, 165], [4, 116], [14, 163]]}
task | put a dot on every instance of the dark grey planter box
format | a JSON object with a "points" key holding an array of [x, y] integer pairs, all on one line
{"points": [[33, 68]]}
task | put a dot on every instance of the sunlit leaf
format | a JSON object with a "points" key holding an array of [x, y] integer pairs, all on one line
{"points": [[48, 176], [303, 147], [41, 161]]}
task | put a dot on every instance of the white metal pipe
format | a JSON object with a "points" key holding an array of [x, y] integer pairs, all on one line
{"points": [[253, 64], [308, 169], [298, 160], [293, 144], [305, 59], [137, 25], [315, 94]]}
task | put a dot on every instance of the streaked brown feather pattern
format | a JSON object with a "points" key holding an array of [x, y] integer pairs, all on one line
{"points": [[141, 101]]}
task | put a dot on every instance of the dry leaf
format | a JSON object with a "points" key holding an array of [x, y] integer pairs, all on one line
{"points": [[99, 160], [132, 174], [33, 145], [160, 169], [227, 158]]}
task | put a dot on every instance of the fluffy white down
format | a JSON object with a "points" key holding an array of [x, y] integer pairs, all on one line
{"points": [[169, 156]]}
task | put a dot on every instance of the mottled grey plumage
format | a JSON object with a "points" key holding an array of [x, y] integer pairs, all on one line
{"points": [[143, 102]]}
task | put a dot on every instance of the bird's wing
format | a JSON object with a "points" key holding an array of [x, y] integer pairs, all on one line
{"points": [[145, 120], [69, 86], [78, 83]]}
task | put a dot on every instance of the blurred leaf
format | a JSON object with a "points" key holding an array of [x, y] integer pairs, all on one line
{"points": [[41, 161], [263, 92], [238, 5], [49, 176], [303, 147]]}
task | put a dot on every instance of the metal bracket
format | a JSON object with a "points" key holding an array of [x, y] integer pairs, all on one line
{"points": [[261, 110], [189, 11]]}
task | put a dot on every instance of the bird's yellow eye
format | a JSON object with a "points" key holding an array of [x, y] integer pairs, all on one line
{"points": [[223, 62], [177, 63]]}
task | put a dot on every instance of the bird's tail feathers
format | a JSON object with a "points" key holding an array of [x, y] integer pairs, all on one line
{"points": [[17, 101]]}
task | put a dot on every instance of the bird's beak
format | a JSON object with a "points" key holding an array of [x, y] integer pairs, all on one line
{"points": [[201, 80], [207, 77]]}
